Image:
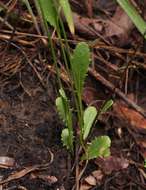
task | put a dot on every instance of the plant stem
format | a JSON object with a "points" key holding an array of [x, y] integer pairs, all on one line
{"points": [[45, 27]]}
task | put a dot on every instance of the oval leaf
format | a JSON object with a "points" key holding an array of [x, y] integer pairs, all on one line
{"points": [[89, 117], [79, 63], [61, 108], [99, 147], [62, 93], [106, 106], [67, 138]]}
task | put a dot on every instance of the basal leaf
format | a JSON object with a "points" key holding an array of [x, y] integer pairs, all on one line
{"points": [[79, 64], [62, 93], [106, 106], [61, 108], [68, 14], [49, 11], [106, 153], [99, 147], [67, 139], [66, 115], [89, 117]]}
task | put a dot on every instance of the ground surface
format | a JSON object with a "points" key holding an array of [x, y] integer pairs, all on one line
{"points": [[30, 128]]}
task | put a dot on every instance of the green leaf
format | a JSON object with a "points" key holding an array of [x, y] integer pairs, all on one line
{"points": [[61, 108], [49, 11], [67, 138], [62, 93], [107, 153], [68, 14], [89, 117], [66, 115], [79, 64], [134, 16], [99, 147], [106, 106]]}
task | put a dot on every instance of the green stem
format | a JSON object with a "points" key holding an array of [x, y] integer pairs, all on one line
{"points": [[45, 27], [77, 97]]}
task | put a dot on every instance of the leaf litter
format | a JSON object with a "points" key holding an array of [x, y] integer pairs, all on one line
{"points": [[29, 126]]}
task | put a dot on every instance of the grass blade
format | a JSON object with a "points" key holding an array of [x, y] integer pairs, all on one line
{"points": [[134, 16], [68, 14]]}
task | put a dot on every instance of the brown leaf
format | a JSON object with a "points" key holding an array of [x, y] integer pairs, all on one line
{"points": [[119, 26], [92, 180], [89, 95], [92, 97], [6, 162], [85, 187], [22, 173], [98, 174], [111, 164], [47, 178], [85, 26], [135, 119], [142, 144]]}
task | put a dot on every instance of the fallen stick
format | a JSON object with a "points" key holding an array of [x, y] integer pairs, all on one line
{"points": [[106, 83], [117, 91]]}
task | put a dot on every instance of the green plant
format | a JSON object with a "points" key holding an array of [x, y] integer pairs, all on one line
{"points": [[51, 10], [65, 112], [134, 16], [80, 61], [76, 64]]}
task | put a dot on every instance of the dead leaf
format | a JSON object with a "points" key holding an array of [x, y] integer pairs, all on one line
{"points": [[119, 26], [87, 26], [85, 187], [134, 119], [98, 174], [89, 95], [92, 180], [92, 97], [47, 178], [6, 162], [22, 173], [112, 163], [142, 144]]}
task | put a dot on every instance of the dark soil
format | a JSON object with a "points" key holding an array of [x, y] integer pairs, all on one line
{"points": [[30, 128]]}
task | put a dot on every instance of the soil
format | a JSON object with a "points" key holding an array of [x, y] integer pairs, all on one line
{"points": [[30, 128]]}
